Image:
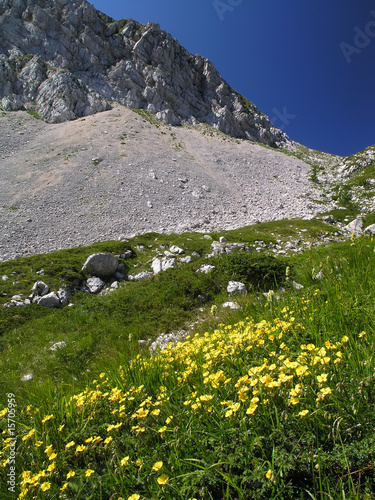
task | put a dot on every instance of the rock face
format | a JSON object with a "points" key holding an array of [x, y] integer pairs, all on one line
{"points": [[64, 59]]}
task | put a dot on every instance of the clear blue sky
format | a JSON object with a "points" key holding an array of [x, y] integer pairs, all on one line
{"points": [[307, 64]]}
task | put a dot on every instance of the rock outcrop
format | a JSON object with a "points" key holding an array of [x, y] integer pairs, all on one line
{"points": [[64, 59]]}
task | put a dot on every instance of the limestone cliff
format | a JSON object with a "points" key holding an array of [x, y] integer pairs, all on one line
{"points": [[64, 59]]}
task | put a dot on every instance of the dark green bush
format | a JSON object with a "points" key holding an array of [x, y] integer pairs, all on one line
{"points": [[261, 272]]}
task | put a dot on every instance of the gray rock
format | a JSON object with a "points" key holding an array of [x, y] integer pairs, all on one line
{"points": [[102, 265], [205, 268], [58, 345], [231, 305], [355, 227], [319, 275], [16, 303], [49, 300], [168, 254], [5, 277], [141, 276], [159, 265], [176, 249], [236, 287], [236, 247], [297, 286], [64, 294], [222, 239], [95, 284], [186, 260], [370, 229], [328, 219], [119, 276], [126, 255], [40, 288], [217, 248]]}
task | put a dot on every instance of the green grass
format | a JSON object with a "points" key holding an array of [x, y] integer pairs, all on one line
{"points": [[149, 117], [273, 401], [136, 311], [34, 114]]}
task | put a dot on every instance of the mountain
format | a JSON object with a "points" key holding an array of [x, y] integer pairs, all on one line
{"points": [[63, 59]]}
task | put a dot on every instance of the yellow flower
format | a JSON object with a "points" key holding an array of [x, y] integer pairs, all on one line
{"points": [[69, 445], [169, 420], [301, 370], [322, 378], [252, 408], [80, 447], [162, 430], [325, 391], [362, 334], [303, 413], [48, 417], [294, 400], [70, 474], [157, 466], [89, 472], [269, 474], [345, 339], [64, 487], [89, 440], [108, 440], [163, 479], [48, 450], [134, 496], [138, 462], [52, 456], [51, 467], [111, 427], [29, 435], [61, 427], [155, 412], [45, 486], [124, 461], [3, 412]]}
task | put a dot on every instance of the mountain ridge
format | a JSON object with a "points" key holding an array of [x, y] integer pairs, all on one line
{"points": [[64, 59]]}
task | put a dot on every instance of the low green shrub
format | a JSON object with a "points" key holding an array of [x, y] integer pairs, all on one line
{"points": [[258, 272]]}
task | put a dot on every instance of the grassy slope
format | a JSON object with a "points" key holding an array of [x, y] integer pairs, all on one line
{"points": [[98, 329], [238, 413]]}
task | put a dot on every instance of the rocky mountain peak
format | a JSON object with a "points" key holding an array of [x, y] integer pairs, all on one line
{"points": [[64, 59]]}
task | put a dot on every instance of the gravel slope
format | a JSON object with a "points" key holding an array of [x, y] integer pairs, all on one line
{"points": [[149, 178]]}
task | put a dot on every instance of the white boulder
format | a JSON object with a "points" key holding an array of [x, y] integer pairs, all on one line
{"points": [[236, 287], [49, 300], [102, 265], [95, 284]]}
